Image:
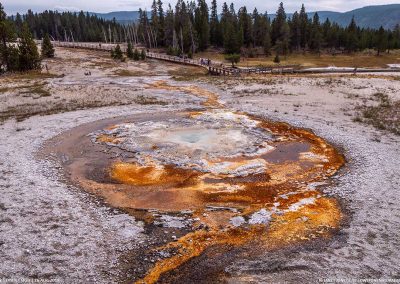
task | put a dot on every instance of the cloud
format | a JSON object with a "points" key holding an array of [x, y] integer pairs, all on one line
{"points": [[13, 6], [129, 3], [66, 8]]}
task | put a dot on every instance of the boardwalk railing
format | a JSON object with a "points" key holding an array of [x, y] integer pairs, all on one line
{"points": [[220, 69], [214, 69]]}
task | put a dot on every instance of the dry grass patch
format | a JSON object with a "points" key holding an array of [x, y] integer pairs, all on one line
{"points": [[22, 112], [33, 75], [187, 73], [4, 89], [142, 100], [129, 73], [38, 90], [384, 116], [368, 59]]}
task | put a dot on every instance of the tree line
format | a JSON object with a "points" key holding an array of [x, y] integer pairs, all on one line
{"points": [[68, 26], [20, 54], [191, 26]]}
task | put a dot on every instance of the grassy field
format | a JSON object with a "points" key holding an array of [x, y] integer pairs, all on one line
{"points": [[365, 59]]}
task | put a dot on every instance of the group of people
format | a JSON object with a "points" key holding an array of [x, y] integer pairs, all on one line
{"points": [[204, 61]]}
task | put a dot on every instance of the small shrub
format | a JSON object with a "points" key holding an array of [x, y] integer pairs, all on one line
{"points": [[173, 51], [136, 55], [143, 55], [116, 53], [47, 47], [129, 51], [251, 53], [233, 58]]}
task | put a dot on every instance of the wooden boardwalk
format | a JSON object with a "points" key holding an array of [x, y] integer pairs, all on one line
{"points": [[213, 69], [220, 69]]}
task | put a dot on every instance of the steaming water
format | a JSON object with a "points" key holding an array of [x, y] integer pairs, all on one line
{"points": [[202, 138]]}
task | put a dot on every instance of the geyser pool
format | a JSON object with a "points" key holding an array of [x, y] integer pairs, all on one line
{"points": [[230, 178]]}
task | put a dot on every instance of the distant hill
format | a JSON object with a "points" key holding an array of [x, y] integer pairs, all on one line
{"points": [[367, 17], [371, 16], [123, 17]]}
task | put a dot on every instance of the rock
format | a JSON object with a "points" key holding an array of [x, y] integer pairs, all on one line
{"points": [[237, 221]]}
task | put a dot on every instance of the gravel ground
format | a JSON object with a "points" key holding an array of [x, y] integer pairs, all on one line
{"points": [[49, 229], [369, 243]]}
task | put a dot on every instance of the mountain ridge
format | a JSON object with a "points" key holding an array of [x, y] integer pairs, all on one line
{"points": [[372, 16]]}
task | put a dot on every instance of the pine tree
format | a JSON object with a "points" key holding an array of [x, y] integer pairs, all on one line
{"points": [[258, 29], [278, 23], [381, 41], [129, 51], [215, 32], [13, 58], [144, 29], [303, 19], [136, 55], [143, 55], [47, 47], [225, 17], [281, 31], [6, 35], [118, 53], [161, 23], [231, 38], [316, 35], [284, 41], [184, 27], [18, 23], [267, 44], [155, 23], [232, 34], [351, 36], [396, 35], [233, 58], [29, 58], [169, 28], [67, 26], [245, 24], [295, 28], [201, 24], [326, 33]]}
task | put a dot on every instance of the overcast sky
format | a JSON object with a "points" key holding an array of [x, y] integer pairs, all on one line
{"points": [[13, 6]]}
